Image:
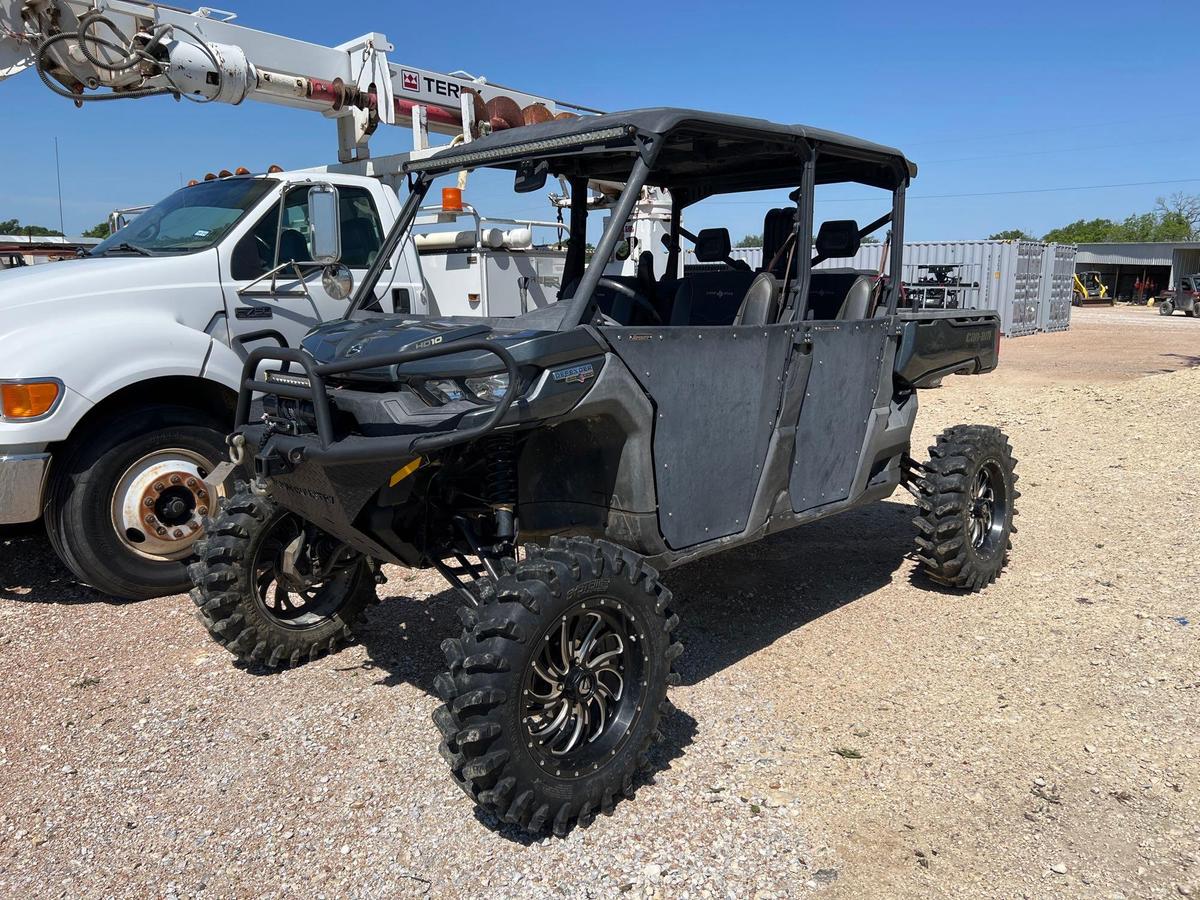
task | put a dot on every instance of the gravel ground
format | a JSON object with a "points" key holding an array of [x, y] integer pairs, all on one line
{"points": [[842, 728]]}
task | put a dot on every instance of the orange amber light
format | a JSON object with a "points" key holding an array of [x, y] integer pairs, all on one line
{"points": [[27, 401]]}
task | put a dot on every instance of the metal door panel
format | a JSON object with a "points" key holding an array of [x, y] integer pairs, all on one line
{"points": [[838, 398], [716, 394]]}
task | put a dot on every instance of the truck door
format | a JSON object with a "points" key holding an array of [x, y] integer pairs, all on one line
{"points": [[292, 301]]}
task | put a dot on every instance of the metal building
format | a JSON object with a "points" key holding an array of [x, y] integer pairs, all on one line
{"points": [[1122, 266]]}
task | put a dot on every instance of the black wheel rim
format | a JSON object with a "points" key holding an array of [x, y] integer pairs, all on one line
{"points": [[584, 687], [297, 602], [988, 514]]}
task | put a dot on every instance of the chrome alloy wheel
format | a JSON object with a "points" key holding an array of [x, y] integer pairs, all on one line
{"points": [[583, 688], [989, 507]]}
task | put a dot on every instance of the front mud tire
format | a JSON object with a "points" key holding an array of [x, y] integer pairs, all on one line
{"points": [[488, 738], [228, 599], [963, 538]]}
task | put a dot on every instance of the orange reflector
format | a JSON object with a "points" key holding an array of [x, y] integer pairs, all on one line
{"points": [[224, 173], [27, 401], [241, 170], [210, 177], [274, 169], [193, 181], [452, 199]]}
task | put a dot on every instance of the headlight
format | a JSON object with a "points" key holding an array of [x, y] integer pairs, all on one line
{"points": [[489, 388], [447, 390]]}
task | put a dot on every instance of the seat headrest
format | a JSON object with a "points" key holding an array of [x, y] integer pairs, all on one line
{"points": [[712, 245], [838, 239]]}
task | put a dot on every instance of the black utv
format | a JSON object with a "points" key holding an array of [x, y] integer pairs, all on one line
{"points": [[552, 465]]}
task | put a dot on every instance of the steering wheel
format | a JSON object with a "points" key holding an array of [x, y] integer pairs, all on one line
{"points": [[625, 290]]}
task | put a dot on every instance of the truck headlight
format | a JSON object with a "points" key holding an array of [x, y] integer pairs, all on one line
{"points": [[29, 398], [489, 388]]}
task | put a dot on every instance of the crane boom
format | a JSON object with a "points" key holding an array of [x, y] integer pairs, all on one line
{"points": [[90, 50]]}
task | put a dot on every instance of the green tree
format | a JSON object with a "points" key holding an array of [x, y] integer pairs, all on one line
{"points": [[751, 240], [97, 231], [1084, 232], [14, 226], [1012, 234]]}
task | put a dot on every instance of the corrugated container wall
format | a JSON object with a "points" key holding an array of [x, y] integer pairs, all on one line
{"points": [[1027, 282], [1058, 283]]}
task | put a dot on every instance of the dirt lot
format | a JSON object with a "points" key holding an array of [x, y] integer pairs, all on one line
{"points": [[843, 730]]}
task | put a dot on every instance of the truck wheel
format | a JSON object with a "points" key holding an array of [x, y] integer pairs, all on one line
{"points": [[258, 610], [967, 503], [125, 504], [1166, 308], [557, 684]]}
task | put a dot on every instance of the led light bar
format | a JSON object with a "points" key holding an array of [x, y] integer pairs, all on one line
{"points": [[529, 148]]}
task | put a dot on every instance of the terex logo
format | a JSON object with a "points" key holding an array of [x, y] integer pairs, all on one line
{"points": [[410, 80]]}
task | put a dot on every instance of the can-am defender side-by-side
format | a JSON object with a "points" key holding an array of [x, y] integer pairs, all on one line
{"points": [[552, 464]]}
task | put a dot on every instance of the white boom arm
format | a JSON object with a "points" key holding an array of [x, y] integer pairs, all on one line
{"points": [[90, 50]]}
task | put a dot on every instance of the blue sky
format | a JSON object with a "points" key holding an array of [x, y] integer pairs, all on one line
{"points": [[986, 98]]}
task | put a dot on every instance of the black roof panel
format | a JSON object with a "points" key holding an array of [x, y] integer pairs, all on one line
{"points": [[705, 152]]}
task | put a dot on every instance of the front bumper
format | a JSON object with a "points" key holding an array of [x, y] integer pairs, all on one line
{"points": [[22, 485]]}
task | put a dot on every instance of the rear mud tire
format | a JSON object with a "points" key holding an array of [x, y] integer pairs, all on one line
{"points": [[954, 548], [1166, 308], [226, 596], [487, 736]]}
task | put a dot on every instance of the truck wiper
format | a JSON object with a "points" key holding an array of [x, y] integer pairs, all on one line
{"points": [[127, 247]]}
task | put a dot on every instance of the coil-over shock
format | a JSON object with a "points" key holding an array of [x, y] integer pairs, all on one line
{"points": [[501, 484]]}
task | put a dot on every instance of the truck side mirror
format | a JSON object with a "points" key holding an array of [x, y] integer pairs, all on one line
{"points": [[324, 222]]}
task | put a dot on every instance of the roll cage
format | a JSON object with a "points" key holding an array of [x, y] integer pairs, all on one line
{"points": [[693, 155]]}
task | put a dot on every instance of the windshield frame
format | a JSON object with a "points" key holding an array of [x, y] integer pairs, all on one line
{"points": [[113, 241]]}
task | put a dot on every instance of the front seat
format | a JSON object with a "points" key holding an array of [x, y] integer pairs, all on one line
{"points": [[759, 305]]}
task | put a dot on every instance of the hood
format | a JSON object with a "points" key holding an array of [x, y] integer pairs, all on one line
{"points": [[82, 280], [346, 339]]}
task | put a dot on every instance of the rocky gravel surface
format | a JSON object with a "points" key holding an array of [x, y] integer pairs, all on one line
{"points": [[843, 729]]}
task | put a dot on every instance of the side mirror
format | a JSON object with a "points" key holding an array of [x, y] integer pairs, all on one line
{"points": [[338, 281], [324, 222]]}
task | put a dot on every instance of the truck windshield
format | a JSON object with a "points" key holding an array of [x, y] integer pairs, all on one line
{"points": [[193, 218]]}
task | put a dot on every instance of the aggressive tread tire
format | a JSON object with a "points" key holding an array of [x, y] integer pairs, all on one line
{"points": [[944, 548], [225, 596], [483, 740]]}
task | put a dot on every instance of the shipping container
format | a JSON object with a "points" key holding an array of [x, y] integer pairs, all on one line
{"points": [[1058, 282], [1007, 276]]}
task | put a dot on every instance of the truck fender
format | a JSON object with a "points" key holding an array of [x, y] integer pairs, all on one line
{"points": [[95, 359]]}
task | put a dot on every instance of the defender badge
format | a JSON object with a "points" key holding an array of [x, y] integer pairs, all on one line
{"points": [[578, 374]]}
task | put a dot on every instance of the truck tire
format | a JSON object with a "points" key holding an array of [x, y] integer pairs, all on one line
{"points": [[557, 684], [967, 503], [102, 487], [258, 614], [1166, 308]]}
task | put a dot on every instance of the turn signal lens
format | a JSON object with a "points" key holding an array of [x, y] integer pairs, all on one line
{"points": [[28, 400]]}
